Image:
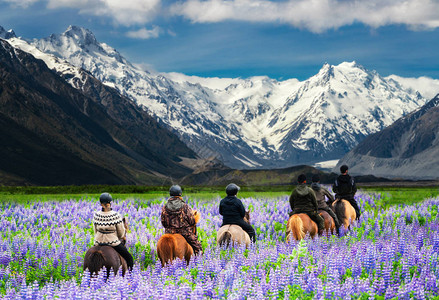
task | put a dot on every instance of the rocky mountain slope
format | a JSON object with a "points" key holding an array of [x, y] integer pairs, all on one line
{"points": [[256, 122], [52, 133], [409, 148]]}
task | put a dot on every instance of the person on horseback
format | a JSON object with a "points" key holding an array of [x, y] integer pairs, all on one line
{"points": [[303, 200], [110, 229], [321, 193], [233, 211], [345, 188], [178, 217]]}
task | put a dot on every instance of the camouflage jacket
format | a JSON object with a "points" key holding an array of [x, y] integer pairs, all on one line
{"points": [[177, 218]]}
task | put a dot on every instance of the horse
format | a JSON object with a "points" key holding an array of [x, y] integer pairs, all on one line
{"points": [[299, 225], [233, 234], [98, 257], [345, 212], [172, 246], [329, 222]]}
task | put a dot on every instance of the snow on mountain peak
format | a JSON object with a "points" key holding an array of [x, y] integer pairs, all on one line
{"points": [[253, 122], [6, 34]]}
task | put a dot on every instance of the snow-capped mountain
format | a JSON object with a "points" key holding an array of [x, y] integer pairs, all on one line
{"points": [[255, 122]]}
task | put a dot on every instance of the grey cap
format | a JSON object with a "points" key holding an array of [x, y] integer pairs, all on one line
{"points": [[232, 189], [105, 198], [175, 190]]}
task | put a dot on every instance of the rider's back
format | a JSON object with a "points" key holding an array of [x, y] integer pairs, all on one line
{"points": [[108, 227], [303, 199], [232, 210], [176, 215], [344, 187]]}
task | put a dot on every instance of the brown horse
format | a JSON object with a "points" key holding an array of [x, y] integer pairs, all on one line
{"points": [[172, 246], [299, 225], [98, 257], [345, 212], [233, 234], [329, 222]]}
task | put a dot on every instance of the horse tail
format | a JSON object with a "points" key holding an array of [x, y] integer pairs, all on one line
{"points": [[166, 249], [225, 239], [96, 262], [340, 211], [297, 227]]}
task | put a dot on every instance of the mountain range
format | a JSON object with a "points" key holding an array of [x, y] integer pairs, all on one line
{"points": [[247, 123], [256, 122], [52, 133], [409, 148]]}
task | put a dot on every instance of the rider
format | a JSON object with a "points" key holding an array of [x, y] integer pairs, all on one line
{"points": [[345, 188], [233, 211], [320, 193], [303, 200], [109, 229], [178, 217]]}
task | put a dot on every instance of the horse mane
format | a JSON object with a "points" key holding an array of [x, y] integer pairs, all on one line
{"points": [[225, 239], [297, 227], [96, 262], [166, 250], [340, 211]]}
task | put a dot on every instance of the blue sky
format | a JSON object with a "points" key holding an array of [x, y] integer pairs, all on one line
{"points": [[242, 38]]}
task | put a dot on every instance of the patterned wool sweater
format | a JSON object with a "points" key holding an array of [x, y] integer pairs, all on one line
{"points": [[108, 227]]}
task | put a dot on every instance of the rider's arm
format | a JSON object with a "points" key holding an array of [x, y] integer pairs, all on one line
{"points": [[292, 201], [120, 229], [329, 195], [164, 219], [189, 215], [314, 199], [354, 187]]}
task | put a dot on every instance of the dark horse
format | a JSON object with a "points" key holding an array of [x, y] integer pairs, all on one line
{"points": [[172, 246], [98, 257], [345, 212], [233, 234], [329, 222]]}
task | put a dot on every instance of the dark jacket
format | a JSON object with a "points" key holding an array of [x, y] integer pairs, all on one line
{"points": [[303, 199], [321, 193], [177, 216], [344, 187], [232, 210]]}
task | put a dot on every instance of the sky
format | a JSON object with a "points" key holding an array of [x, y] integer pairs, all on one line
{"points": [[281, 39]]}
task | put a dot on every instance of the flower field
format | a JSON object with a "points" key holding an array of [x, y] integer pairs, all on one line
{"points": [[392, 253]]}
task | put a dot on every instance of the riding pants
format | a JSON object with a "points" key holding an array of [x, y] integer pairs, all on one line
{"points": [[246, 227], [332, 214], [355, 206], [192, 239], [123, 251]]}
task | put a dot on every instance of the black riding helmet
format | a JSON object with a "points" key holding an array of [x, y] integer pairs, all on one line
{"points": [[232, 189], [175, 190], [105, 198]]}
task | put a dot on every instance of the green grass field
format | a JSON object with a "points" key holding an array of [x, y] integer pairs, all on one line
{"points": [[389, 195]]}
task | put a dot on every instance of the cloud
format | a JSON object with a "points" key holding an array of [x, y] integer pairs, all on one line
{"points": [[144, 33], [20, 3], [314, 15], [123, 12]]}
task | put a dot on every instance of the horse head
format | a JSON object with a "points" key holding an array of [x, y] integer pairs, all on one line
{"points": [[197, 216], [247, 217]]}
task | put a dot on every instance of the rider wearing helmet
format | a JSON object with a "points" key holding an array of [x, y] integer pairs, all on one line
{"points": [[321, 193], [303, 200], [233, 211], [345, 188], [178, 217], [110, 229]]}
